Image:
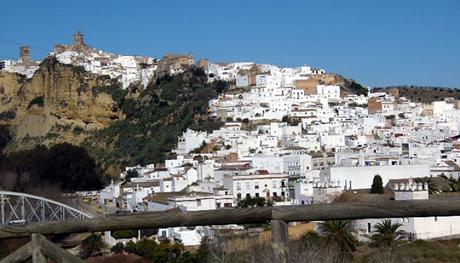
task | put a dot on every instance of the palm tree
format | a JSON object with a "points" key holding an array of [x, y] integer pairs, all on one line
{"points": [[339, 232], [386, 233]]}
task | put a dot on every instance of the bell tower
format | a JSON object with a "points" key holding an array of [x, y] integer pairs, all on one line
{"points": [[25, 54], [79, 39]]}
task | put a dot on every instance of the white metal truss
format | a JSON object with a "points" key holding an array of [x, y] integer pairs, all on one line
{"points": [[22, 208]]}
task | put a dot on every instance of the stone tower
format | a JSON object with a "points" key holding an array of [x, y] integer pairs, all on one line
{"points": [[25, 54], [79, 39]]}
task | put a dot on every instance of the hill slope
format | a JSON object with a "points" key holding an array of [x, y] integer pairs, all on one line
{"points": [[65, 104], [423, 94]]}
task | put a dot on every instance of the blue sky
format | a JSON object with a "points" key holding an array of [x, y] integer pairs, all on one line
{"points": [[375, 42]]}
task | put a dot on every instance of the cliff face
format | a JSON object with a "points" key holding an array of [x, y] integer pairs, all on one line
{"points": [[118, 128], [60, 103]]}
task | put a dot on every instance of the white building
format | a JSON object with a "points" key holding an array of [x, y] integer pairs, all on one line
{"points": [[416, 227], [189, 141], [262, 184], [361, 177]]}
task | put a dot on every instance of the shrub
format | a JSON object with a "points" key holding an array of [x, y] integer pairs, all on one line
{"points": [[91, 246], [7, 115], [39, 101], [78, 130], [118, 248], [123, 234]]}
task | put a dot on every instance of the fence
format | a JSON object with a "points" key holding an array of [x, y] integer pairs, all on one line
{"points": [[278, 216]]}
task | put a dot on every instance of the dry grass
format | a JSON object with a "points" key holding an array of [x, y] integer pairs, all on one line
{"points": [[435, 251], [295, 232]]}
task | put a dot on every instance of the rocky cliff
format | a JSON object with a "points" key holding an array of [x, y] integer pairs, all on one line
{"points": [[60, 103]]}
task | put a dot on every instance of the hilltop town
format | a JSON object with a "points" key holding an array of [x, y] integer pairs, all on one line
{"points": [[289, 136]]}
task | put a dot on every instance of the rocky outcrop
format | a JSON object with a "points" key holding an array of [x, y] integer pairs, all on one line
{"points": [[60, 103]]}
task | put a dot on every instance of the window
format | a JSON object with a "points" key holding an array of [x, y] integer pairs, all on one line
{"points": [[238, 186], [256, 185], [248, 195], [369, 227], [275, 184], [238, 195], [218, 205], [198, 202], [275, 194], [257, 194], [248, 186]]}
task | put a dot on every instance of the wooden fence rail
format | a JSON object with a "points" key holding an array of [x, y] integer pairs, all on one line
{"points": [[176, 217], [279, 216]]}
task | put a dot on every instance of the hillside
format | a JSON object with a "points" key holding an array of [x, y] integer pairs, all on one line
{"points": [[423, 94], [65, 104], [154, 119]]}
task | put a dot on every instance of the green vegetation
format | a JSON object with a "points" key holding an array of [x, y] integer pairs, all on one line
{"points": [[254, 202], [123, 234], [118, 94], [39, 101], [131, 174], [155, 119], [78, 130], [377, 185], [118, 248], [424, 94], [7, 115], [387, 233], [360, 90], [91, 246], [340, 234], [165, 252]]}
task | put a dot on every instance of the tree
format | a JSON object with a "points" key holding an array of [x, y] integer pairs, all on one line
{"points": [[339, 233], [131, 174], [377, 185], [202, 254], [386, 233], [91, 245]]}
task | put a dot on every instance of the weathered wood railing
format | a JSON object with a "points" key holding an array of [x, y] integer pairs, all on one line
{"points": [[279, 217]]}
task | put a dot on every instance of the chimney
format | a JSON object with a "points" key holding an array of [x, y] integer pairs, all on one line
{"points": [[25, 54]]}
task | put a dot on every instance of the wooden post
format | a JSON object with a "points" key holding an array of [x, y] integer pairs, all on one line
{"points": [[280, 241], [37, 256], [55, 252], [22, 254]]}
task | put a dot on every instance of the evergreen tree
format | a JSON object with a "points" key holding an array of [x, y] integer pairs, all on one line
{"points": [[377, 185]]}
